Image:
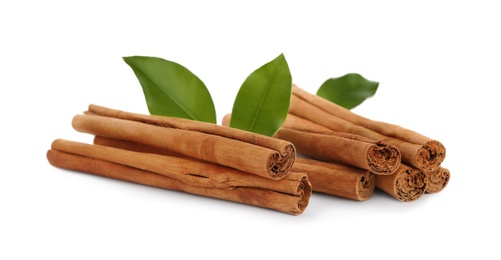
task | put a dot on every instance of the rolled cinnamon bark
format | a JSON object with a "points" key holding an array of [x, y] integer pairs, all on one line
{"points": [[356, 151], [337, 179], [136, 147], [180, 123], [346, 148], [295, 122], [417, 150], [290, 194], [406, 184], [251, 153], [438, 178]]}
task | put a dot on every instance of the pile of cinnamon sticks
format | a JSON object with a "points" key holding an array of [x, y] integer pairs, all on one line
{"points": [[185, 155], [405, 164], [321, 147]]}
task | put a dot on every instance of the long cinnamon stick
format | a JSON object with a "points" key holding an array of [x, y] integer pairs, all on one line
{"points": [[180, 123], [406, 184], [417, 150], [252, 153], [337, 179], [290, 194]]}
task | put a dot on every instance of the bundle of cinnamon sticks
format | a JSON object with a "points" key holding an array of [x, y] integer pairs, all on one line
{"points": [[185, 155], [406, 164]]}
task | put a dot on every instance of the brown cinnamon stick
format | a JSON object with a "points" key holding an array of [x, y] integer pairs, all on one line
{"points": [[252, 153], [438, 178], [406, 184], [346, 148], [290, 194], [337, 179], [417, 150], [378, 158]]}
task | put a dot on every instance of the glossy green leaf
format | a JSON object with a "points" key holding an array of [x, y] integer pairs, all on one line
{"points": [[172, 90], [263, 100], [348, 91]]}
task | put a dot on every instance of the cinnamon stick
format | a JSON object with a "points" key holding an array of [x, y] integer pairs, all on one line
{"points": [[417, 150], [378, 158], [438, 178], [337, 179], [290, 194], [406, 184], [350, 149], [252, 153]]}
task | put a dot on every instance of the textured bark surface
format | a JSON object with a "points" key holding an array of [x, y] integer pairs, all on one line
{"points": [[290, 194]]}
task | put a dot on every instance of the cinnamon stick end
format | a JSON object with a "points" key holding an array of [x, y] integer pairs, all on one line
{"points": [[383, 159], [431, 155], [410, 185], [305, 191], [281, 162], [406, 184], [437, 179], [366, 186]]}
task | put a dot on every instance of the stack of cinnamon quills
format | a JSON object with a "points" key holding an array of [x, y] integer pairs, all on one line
{"points": [[321, 147], [185, 155], [403, 163]]}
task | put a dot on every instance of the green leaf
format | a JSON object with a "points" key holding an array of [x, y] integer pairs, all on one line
{"points": [[348, 91], [172, 90], [263, 100]]}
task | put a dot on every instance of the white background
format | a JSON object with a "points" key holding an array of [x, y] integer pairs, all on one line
{"points": [[438, 64]]}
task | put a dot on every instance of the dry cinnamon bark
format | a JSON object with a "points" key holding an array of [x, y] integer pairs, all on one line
{"points": [[417, 150], [406, 184], [438, 178], [337, 179], [359, 152], [350, 149], [245, 151], [299, 123], [290, 194]]}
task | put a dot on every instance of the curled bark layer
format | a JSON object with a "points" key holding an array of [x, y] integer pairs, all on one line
{"points": [[437, 179], [406, 184]]}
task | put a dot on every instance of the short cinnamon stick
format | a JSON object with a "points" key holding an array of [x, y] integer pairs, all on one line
{"points": [[245, 151], [417, 150], [378, 158], [337, 179], [406, 184], [290, 194], [346, 148]]}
